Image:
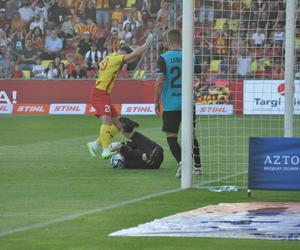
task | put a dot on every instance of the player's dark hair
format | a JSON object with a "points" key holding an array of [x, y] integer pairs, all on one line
{"points": [[173, 37]]}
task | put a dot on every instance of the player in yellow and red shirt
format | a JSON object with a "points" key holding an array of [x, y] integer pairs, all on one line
{"points": [[100, 98]]}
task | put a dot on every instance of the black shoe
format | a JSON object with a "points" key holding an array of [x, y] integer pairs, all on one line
{"points": [[128, 125]]}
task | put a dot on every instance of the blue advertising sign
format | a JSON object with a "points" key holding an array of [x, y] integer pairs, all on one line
{"points": [[274, 163]]}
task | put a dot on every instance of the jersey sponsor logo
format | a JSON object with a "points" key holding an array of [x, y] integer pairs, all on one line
{"points": [[6, 108], [31, 109], [67, 109], [138, 109], [214, 109]]}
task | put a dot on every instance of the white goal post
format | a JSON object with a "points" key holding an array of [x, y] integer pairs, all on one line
{"points": [[187, 93]]}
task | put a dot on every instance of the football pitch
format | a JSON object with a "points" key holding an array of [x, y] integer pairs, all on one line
{"points": [[54, 196]]}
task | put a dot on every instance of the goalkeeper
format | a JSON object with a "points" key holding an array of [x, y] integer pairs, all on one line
{"points": [[139, 152]]}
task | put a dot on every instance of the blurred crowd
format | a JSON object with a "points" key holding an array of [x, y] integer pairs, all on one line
{"points": [[242, 39], [50, 39], [66, 39]]}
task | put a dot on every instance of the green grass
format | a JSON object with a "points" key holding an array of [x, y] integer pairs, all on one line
{"points": [[46, 174]]}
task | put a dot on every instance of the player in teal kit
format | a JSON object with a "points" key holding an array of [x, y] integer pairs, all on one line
{"points": [[168, 88]]}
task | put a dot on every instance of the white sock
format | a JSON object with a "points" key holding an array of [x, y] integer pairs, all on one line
{"points": [[95, 145]]}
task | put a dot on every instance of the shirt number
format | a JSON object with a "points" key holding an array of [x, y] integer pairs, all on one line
{"points": [[177, 75]]}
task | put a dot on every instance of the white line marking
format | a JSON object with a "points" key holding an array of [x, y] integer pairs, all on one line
{"points": [[98, 210]]}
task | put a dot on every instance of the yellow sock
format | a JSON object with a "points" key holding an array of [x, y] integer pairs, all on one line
{"points": [[104, 135], [113, 130], [99, 142]]}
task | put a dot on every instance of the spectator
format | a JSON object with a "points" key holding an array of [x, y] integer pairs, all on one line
{"points": [[92, 58], [243, 65], [26, 12], [278, 35], [114, 41], [115, 27], [127, 33], [115, 3], [56, 62], [84, 44], [260, 67], [163, 15], [17, 3], [53, 46], [101, 44], [7, 64], [38, 70], [206, 12], [51, 72], [37, 38], [225, 68], [17, 23], [153, 8], [258, 38], [58, 12], [264, 21], [139, 19], [220, 42], [10, 9], [102, 13], [79, 25], [3, 39], [16, 72], [2, 74], [90, 12], [70, 63], [4, 21], [2, 52], [41, 7], [37, 23], [29, 56], [14, 54], [18, 39], [117, 14], [62, 71], [134, 43], [78, 73], [133, 23], [67, 28]]}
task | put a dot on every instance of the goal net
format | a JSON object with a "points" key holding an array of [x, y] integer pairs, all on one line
{"points": [[240, 46]]}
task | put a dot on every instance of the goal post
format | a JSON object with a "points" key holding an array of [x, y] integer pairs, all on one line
{"points": [[289, 66], [187, 93]]}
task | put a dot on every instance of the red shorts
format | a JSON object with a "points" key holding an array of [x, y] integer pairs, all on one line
{"points": [[102, 104]]}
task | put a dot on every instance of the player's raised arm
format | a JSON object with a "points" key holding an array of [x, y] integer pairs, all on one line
{"points": [[139, 51]]}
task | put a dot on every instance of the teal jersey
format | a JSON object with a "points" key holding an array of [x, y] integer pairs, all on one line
{"points": [[170, 65]]}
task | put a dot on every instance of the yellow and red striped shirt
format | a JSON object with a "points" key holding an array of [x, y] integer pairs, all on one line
{"points": [[108, 72]]}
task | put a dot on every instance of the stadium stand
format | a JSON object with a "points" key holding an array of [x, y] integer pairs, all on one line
{"points": [[238, 32], [56, 28]]}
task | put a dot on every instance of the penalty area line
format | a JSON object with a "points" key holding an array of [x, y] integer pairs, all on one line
{"points": [[96, 210]]}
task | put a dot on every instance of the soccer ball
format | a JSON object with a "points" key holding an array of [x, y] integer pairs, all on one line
{"points": [[117, 161]]}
